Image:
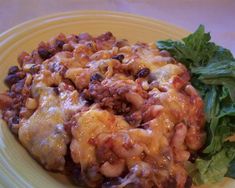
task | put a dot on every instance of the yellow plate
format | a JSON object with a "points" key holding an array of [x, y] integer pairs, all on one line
{"points": [[17, 168]]}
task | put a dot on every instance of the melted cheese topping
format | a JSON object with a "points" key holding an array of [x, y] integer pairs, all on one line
{"points": [[154, 108], [91, 124], [43, 133]]}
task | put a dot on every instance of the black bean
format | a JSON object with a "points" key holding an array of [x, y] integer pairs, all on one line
{"points": [[170, 183], [193, 157], [119, 57], [111, 182], [15, 120], [13, 70], [11, 79], [188, 182], [18, 87], [11, 94], [87, 97], [76, 175], [89, 101], [92, 174], [34, 69], [144, 72], [96, 77], [77, 38], [59, 44], [56, 90], [44, 53]]}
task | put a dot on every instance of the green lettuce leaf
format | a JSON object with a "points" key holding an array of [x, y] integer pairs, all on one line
{"points": [[216, 168], [212, 70], [194, 50]]}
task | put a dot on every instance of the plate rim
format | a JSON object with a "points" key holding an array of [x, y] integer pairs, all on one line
{"points": [[86, 12]]}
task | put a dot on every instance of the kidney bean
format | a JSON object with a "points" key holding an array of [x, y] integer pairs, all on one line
{"points": [[22, 57], [5, 101]]}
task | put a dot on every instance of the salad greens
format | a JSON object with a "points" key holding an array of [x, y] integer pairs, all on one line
{"points": [[213, 75]]}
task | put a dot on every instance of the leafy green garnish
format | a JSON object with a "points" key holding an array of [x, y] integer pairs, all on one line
{"points": [[213, 75], [214, 169]]}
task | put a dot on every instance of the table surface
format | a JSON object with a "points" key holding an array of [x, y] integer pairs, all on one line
{"points": [[217, 15]]}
